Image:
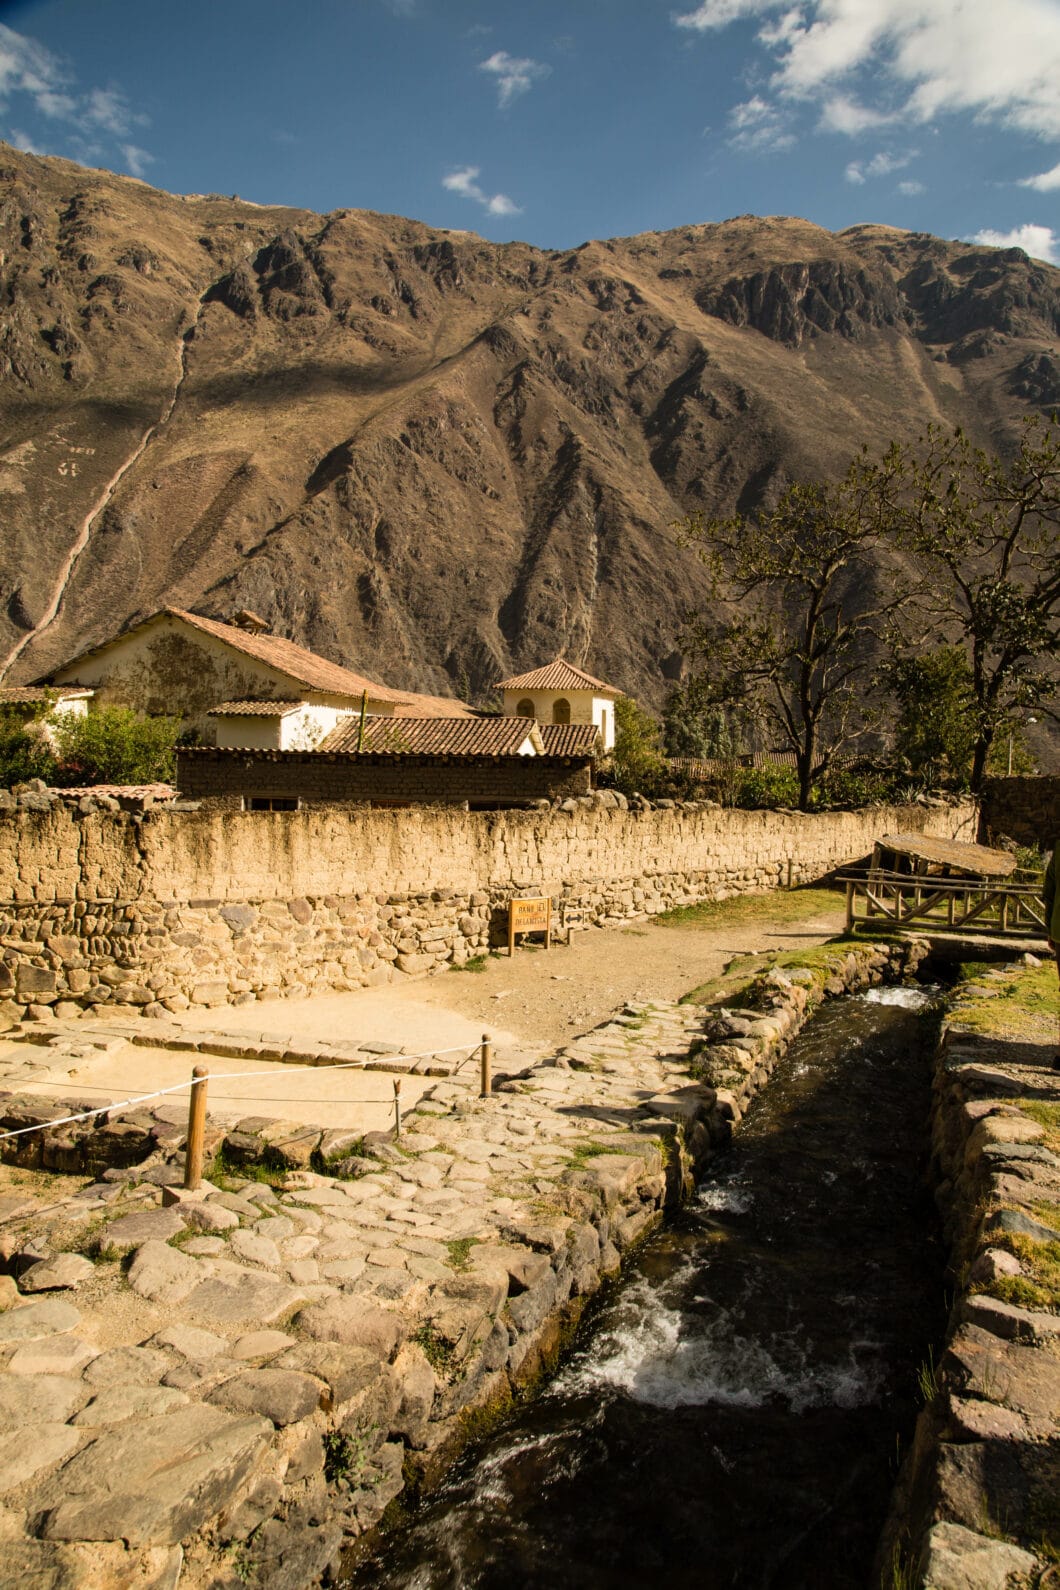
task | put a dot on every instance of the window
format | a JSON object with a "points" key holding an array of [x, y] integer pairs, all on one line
{"points": [[271, 803], [561, 710], [525, 709]]}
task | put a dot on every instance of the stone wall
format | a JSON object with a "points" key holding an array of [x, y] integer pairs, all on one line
{"points": [[159, 909], [1024, 809], [225, 777]]}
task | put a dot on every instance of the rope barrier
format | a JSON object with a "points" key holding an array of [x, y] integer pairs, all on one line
{"points": [[222, 1076]]}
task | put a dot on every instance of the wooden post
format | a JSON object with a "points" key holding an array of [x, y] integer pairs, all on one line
{"points": [[397, 1106], [850, 898], [487, 1066], [193, 1151]]}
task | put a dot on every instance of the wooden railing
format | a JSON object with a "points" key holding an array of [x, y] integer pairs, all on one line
{"points": [[945, 905]]}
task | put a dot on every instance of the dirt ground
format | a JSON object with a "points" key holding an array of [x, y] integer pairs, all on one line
{"points": [[539, 999]]}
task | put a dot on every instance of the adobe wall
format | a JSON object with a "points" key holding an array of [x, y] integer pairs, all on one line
{"points": [[160, 909], [1024, 809], [224, 779]]}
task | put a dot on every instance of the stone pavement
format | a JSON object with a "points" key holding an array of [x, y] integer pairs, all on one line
{"points": [[229, 1391]]}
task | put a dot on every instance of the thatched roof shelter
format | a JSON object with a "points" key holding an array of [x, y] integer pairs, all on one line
{"points": [[924, 855]]}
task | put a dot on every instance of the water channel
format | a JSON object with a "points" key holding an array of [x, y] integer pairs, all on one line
{"points": [[732, 1412]]}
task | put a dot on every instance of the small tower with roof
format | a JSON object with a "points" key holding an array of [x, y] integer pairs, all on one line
{"points": [[561, 693]]}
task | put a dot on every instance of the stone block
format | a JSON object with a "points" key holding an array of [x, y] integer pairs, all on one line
{"points": [[154, 1481]]}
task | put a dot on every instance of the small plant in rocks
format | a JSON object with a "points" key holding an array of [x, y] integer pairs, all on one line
{"points": [[345, 1457], [437, 1351], [459, 1250]]}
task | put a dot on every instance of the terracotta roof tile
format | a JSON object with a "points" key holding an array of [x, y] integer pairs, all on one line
{"points": [[419, 706], [569, 739], [254, 709], [296, 661], [29, 695], [430, 736], [558, 675]]}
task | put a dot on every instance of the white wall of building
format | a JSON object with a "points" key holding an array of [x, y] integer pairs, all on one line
{"points": [[584, 708]]}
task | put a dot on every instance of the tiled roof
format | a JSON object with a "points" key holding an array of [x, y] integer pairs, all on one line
{"points": [[254, 709], [569, 739], [706, 767], [159, 792], [558, 675], [291, 659], [493, 736], [417, 706], [29, 695], [294, 661]]}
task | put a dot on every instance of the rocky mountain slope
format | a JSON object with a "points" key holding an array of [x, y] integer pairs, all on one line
{"points": [[436, 458]]}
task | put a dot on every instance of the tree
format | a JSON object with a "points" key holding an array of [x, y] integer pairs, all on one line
{"points": [[694, 725], [936, 730], [637, 763], [115, 745], [24, 749], [984, 534], [798, 656]]}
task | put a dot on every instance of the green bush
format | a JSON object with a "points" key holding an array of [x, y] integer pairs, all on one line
{"points": [[24, 750], [638, 765], [115, 745]]}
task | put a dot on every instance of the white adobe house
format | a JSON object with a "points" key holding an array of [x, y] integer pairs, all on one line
{"points": [[236, 684], [562, 693]]}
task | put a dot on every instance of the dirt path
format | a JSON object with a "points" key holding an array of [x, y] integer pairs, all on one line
{"points": [[540, 1000]]}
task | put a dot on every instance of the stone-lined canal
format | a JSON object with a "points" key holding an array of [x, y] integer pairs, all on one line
{"points": [[732, 1413]]}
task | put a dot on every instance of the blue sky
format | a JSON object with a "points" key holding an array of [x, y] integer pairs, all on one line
{"points": [[559, 122]]}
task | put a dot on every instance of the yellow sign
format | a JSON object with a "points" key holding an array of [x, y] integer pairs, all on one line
{"points": [[530, 916]]}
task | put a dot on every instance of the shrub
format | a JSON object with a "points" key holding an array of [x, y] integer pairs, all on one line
{"points": [[115, 745], [24, 749]]}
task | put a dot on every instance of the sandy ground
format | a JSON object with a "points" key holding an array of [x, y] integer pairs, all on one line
{"points": [[529, 1005], [317, 1095], [535, 1001]]}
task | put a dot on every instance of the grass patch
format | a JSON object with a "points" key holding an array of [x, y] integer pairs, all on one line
{"points": [[592, 1150], [437, 1351], [269, 1170], [1047, 1116], [1021, 1006], [775, 905], [459, 1252], [927, 1379], [1039, 1286], [477, 963]]}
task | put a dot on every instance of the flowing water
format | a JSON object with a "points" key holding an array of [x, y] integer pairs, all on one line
{"points": [[732, 1412]]}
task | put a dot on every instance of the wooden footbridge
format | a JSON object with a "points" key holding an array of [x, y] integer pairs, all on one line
{"points": [[939, 887]]}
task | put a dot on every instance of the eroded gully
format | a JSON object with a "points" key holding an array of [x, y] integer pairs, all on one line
{"points": [[732, 1413]]}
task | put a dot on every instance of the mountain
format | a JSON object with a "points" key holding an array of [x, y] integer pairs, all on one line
{"points": [[437, 459]]}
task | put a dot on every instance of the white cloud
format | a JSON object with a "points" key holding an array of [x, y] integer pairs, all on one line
{"points": [[514, 76], [137, 159], [24, 142], [1039, 241], [758, 128], [881, 165], [1044, 182], [914, 59], [465, 183], [910, 189], [44, 84]]}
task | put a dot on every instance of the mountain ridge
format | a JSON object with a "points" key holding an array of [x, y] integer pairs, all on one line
{"points": [[438, 459]]}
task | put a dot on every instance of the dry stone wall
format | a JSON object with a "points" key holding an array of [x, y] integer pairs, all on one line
{"points": [[1024, 809], [163, 908]]}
